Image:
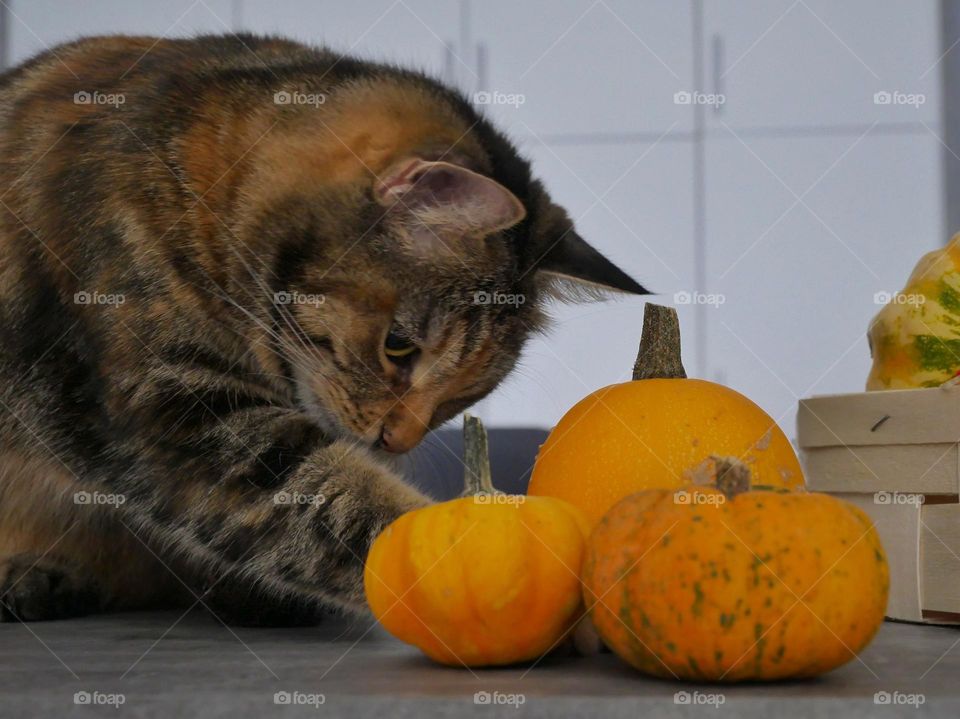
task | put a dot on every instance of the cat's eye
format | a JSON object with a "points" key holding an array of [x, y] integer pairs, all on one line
{"points": [[398, 348]]}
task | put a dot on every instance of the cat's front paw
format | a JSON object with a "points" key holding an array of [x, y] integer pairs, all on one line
{"points": [[372, 480], [358, 496]]}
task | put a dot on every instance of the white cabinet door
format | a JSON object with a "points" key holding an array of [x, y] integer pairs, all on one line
{"points": [[40, 24], [798, 279], [643, 224], [412, 33], [803, 63], [607, 68]]}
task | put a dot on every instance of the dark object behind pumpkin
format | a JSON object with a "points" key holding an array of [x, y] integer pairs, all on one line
{"points": [[436, 466]]}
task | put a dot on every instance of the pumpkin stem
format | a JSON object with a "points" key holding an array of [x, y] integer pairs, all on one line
{"points": [[659, 355], [476, 458], [732, 475]]}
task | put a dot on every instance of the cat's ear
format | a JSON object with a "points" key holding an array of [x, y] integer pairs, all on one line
{"points": [[449, 199], [570, 258]]}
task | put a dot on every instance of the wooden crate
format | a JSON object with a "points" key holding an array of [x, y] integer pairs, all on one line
{"points": [[896, 454]]}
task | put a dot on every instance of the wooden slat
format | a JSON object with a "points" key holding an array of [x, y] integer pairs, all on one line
{"points": [[920, 468], [940, 557], [899, 529], [915, 416]]}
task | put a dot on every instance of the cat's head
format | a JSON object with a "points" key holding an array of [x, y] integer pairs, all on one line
{"points": [[406, 294]]}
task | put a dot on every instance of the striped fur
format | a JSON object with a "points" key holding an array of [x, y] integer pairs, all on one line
{"points": [[146, 348]]}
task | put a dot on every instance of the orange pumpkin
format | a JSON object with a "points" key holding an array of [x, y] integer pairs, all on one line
{"points": [[654, 431], [732, 584], [482, 580]]}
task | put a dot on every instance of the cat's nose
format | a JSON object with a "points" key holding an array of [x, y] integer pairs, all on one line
{"points": [[401, 438]]}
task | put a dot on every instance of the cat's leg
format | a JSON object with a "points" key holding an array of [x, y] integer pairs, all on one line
{"points": [[244, 545], [36, 520], [64, 554], [254, 490]]}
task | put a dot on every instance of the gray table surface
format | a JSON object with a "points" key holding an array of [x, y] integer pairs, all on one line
{"points": [[167, 665]]}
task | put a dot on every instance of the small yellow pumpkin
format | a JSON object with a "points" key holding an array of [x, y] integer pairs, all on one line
{"points": [[649, 432], [485, 579], [915, 338], [720, 583]]}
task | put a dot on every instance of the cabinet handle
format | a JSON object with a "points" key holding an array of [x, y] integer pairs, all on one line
{"points": [[449, 71], [717, 51], [482, 68]]}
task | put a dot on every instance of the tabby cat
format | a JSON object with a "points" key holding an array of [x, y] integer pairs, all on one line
{"points": [[235, 273]]}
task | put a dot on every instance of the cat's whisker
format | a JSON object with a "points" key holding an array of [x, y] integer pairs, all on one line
{"points": [[451, 484], [424, 457], [541, 382], [307, 362], [528, 372], [291, 321]]}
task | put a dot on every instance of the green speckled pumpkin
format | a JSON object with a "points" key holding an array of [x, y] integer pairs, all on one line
{"points": [[715, 586], [915, 338]]}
